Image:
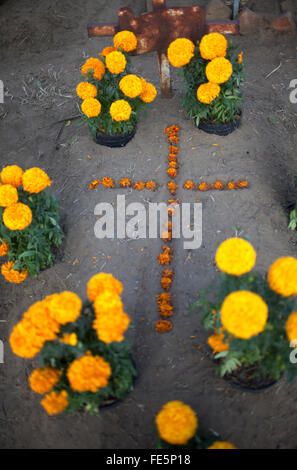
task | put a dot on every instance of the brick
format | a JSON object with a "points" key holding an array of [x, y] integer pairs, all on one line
{"points": [[223, 27], [284, 23], [217, 10]]}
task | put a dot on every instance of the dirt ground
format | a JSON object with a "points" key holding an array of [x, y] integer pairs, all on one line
{"points": [[42, 46]]}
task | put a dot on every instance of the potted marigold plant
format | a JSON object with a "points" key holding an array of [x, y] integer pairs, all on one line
{"points": [[29, 222], [253, 318], [212, 73], [84, 361], [113, 96], [177, 426]]}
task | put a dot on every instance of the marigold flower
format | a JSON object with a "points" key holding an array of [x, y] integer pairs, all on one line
{"points": [[235, 256], [222, 445], [131, 85], [173, 202], [171, 129], [166, 236], [151, 185], [203, 186], [13, 175], [164, 298], [107, 50], [291, 327], [55, 402], [189, 185], [86, 90], [172, 187], [173, 139], [8, 195], [177, 423], [108, 182], [172, 157], [96, 65], [173, 164], [39, 316], [231, 185], [163, 326], [282, 276], [172, 172], [126, 40], [103, 282], [242, 184], [165, 257], [216, 342], [166, 283], [207, 92], [4, 248], [139, 185], [111, 321], [125, 183], [219, 185], [244, 314], [167, 272], [88, 373], [219, 70], [148, 93], [120, 110], [42, 380], [35, 180], [12, 275], [65, 307], [116, 62], [94, 184], [165, 310], [69, 338], [91, 107], [173, 149], [180, 52], [239, 58], [213, 45]]}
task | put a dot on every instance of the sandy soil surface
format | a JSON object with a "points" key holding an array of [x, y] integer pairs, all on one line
{"points": [[43, 45]]}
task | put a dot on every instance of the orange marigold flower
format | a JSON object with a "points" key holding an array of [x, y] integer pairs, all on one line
{"points": [[242, 184], [139, 185], [120, 110], [35, 180], [164, 298], [173, 164], [163, 326], [173, 139], [213, 45], [166, 236], [111, 321], [189, 185], [231, 185], [165, 310], [180, 52], [239, 58], [172, 187], [166, 283], [4, 248], [171, 129], [55, 402], [103, 282], [165, 257], [94, 184], [149, 91], [108, 182], [12, 275], [86, 90], [13, 175], [42, 380], [219, 185], [64, 307], [151, 185], [207, 92], [88, 373], [126, 40], [116, 62], [172, 172], [173, 149], [291, 327], [173, 202], [167, 272], [96, 65], [219, 70], [8, 195], [107, 50], [172, 157], [91, 107], [222, 445], [216, 342], [131, 85], [176, 423], [203, 186], [282, 276], [125, 183], [69, 338]]}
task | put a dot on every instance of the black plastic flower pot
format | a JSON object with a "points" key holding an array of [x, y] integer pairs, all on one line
{"points": [[114, 140], [220, 129]]}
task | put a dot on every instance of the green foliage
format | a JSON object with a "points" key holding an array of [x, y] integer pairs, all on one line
{"points": [[293, 214], [60, 355], [227, 105], [31, 248]]}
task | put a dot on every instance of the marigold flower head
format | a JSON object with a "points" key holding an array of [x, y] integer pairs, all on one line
{"points": [[4, 248], [107, 50], [94, 184], [189, 185], [111, 321], [207, 92], [86, 90], [39, 316], [126, 40], [180, 52], [282, 276], [42, 380], [125, 183], [164, 298], [222, 445], [103, 282], [165, 257], [166, 283], [12, 275], [91, 107], [96, 65], [116, 62], [151, 185], [165, 310], [203, 186], [65, 307], [213, 45], [173, 149], [120, 110], [148, 93], [235, 256], [8, 195], [239, 58], [291, 327], [216, 342], [242, 184], [139, 185], [172, 172], [131, 85], [244, 314], [231, 185], [88, 373], [13, 175], [176, 423], [167, 272], [108, 182], [173, 139], [166, 236], [69, 338], [174, 129], [55, 402], [172, 157], [35, 180], [172, 187], [163, 326], [108, 302], [173, 164], [219, 185], [219, 70]]}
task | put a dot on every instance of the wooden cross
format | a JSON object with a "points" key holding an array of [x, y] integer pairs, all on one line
{"points": [[157, 29]]}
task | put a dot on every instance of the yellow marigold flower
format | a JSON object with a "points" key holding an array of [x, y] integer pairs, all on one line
{"points": [[213, 45], [42, 380], [120, 110], [91, 107], [189, 185], [235, 256], [291, 327], [103, 282], [86, 90], [207, 92], [17, 216], [282, 276], [12, 275], [116, 62], [35, 180], [239, 58], [39, 315], [131, 85], [8, 195], [64, 307], [216, 342], [4, 248], [69, 338], [107, 50], [231, 185], [126, 40], [95, 64], [171, 172], [139, 185], [149, 91], [108, 182], [180, 52], [55, 402], [111, 322], [88, 373], [13, 175], [125, 182], [222, 445], [244, 314], [219, 70], [176, 422], [151, 185]]}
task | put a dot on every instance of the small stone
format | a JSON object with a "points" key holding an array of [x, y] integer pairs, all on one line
{"points": [[284, 23], [217, 10]]}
